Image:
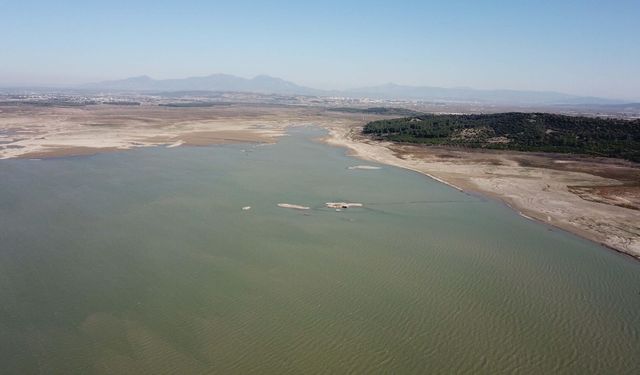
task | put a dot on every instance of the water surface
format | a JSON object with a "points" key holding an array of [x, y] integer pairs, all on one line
{"points": [[143, 262]]}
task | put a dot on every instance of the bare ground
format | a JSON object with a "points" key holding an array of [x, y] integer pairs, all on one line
{"points": [[36, 132]]}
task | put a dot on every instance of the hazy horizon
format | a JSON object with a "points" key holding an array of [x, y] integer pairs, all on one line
{"points": [[583, 48]]}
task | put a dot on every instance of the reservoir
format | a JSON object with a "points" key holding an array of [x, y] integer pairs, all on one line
{"points": [[145, 262]]}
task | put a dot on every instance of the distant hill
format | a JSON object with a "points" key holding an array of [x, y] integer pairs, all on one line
{"points": [[517, 131], [214, 82], [271, 85], [393, 91]]}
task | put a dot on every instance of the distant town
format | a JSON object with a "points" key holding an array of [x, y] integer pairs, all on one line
{"points": [[45, 97]]}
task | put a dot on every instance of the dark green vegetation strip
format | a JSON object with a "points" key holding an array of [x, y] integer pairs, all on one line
{"points": [[392, 111], [122, 103], [517, 131], [193, 104]]}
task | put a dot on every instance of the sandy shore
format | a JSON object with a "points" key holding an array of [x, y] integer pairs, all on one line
{"points": [[598, 199]]}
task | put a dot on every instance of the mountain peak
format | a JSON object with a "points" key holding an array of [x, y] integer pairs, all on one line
{"points": [[213, 82]]}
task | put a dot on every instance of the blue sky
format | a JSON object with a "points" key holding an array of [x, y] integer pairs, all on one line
{"points": [[580, 47]]}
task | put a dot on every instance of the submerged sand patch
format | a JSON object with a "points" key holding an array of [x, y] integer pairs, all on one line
{"points": [[293, 206], [364, 167]]}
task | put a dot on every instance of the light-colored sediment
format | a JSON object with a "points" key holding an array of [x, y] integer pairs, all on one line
{"points": [[39, 132], [293, 206], [364, 167], [564, 191]]}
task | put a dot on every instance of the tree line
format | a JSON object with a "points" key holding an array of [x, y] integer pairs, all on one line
{"points": [[542, 132]]}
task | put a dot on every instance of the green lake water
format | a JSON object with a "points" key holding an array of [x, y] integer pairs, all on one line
{"points": [[143, 262]]}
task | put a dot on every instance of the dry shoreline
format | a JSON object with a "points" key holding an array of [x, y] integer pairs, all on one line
{"points": [[523, 182], [36, 132]]}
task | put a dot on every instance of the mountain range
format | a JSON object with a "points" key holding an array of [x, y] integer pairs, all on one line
{"points": [[272, 85], [214, 82]]}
